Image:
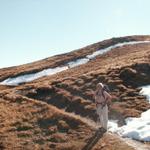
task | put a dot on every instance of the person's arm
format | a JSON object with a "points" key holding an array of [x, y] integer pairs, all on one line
{"points": [[94, 97]]}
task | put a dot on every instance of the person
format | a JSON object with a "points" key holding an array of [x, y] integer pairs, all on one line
{"points": [[102, 98]]}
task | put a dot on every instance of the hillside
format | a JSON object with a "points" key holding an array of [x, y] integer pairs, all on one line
{"points": [[57, 111]]}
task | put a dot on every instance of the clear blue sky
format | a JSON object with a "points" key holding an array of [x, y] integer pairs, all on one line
{"points": [[34, 29]]}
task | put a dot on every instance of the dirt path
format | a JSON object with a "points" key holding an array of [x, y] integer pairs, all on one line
{"points": [[133, 143], [94, 139], [99, 134], [137, 145]]}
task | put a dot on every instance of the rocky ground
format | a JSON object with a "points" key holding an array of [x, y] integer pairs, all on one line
{"points": [[58, 111]]}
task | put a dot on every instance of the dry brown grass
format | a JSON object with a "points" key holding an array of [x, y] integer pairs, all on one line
{"points": [[32, 115]]}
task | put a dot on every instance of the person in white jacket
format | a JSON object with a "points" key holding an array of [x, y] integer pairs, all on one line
{"points": [[102, 98]]}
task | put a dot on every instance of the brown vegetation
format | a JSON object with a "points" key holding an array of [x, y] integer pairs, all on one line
{"points": [[51, 112]]}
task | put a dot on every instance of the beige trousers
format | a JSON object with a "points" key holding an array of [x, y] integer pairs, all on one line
{"points": [[103, 115]]}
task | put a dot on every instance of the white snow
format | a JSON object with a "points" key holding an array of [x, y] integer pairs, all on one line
{"points": [[71, 64], [78, 62], [104, 50], [31, 77], [146, 91], [112, 125], [136, 128]]}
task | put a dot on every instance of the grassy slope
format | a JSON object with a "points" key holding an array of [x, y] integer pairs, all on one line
{"points": [[28, 119]]}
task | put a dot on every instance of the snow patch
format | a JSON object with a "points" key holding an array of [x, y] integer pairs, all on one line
{"points": [[104, 50], [78, 62], [30, 77], [136, 128], [146, 91], [112, 125]]}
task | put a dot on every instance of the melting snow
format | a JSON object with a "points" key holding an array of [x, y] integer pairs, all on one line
{"points": [[71, 64], [136, 128], [31, 77], [104, 50], [112, 125], [146, 91], [78, 62]]}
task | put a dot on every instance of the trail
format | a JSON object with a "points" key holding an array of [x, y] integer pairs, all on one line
{"points": [[133, 143], [100, 132], [94, 139]]}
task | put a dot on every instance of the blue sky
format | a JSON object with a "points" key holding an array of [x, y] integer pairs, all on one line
{"points": [[34, 29]]}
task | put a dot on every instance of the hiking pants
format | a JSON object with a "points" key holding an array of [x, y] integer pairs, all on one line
{"points": [[102, 112]]}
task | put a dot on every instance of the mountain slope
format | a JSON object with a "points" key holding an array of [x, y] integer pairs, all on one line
{"points": [[64, 58], [58, 111]]}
